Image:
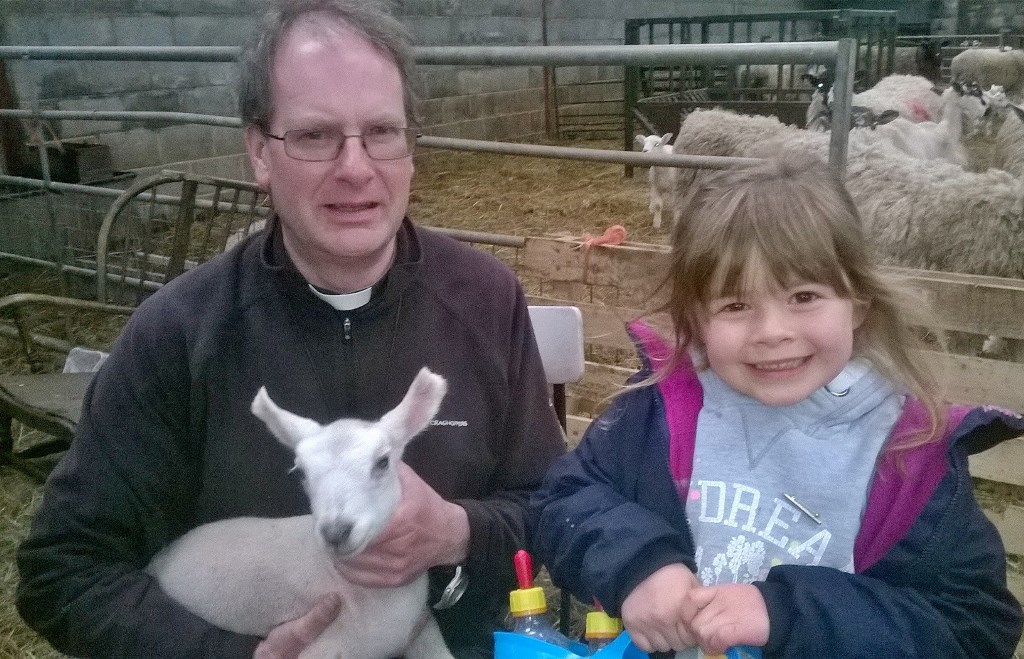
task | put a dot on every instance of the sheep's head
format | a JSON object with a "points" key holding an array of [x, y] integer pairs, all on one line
{"points": [[651, 142], [350, 466]]}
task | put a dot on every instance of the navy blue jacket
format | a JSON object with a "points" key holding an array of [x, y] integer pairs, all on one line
{"points": [[930, 568]]}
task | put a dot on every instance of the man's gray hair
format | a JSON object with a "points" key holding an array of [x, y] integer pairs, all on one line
{"points": [[369, 18]]}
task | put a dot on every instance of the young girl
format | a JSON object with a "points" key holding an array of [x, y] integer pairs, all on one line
{"points": [[783, 473]]}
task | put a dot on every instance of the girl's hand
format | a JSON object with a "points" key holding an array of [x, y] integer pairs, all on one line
{"points": [[658, 611], [290, 638], [727, 615]]}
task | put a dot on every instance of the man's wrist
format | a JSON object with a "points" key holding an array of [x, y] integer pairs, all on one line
{"points": [[455, 530]]}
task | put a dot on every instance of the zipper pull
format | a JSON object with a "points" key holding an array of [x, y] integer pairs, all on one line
{"points": [[348, 328]]}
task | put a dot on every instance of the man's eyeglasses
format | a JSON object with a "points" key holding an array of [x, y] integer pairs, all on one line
{"points": [[320, 144]]}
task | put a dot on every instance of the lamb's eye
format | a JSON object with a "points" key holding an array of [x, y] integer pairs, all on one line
{"points": [[381, 465]]}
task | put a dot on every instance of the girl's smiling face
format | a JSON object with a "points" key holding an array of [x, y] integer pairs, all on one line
{"points": [[779, 345]]}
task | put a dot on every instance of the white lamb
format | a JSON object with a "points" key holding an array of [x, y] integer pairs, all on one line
{"points": [[662, 179], [250, 574]]}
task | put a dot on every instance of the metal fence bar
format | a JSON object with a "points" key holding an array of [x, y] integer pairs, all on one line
{"points": [[793, 52], [124, 115], [597, 155], [123, 53]]}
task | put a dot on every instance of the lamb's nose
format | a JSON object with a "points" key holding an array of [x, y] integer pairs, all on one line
{"points": [[336, 533]]}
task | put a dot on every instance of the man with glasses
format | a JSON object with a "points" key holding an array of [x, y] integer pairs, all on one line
{"points": [[333, 308]]}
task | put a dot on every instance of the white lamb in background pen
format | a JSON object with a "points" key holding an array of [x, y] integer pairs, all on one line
{"points": [[249, 574], [932, 215], [662, 179]]}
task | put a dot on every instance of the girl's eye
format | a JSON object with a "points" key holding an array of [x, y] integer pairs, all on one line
{"points": [[724, 306], [803, 297]]}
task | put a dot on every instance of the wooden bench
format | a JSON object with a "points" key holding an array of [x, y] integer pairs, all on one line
{"points": [[155, 230]]}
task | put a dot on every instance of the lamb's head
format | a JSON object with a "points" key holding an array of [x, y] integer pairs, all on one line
{"points": [[350, 466], [970, 99], [650, 143]]}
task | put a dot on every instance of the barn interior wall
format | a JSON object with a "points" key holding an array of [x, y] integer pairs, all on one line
{"points": [[472, 102]]}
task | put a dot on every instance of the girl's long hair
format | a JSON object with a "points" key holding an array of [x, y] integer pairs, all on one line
{"points": [[791, 219]]}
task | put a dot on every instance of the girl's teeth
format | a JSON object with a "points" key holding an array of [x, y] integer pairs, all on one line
{"points": [[779, 366]]}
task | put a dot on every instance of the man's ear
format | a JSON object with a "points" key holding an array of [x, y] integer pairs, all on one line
{"points": [[256, 144]]}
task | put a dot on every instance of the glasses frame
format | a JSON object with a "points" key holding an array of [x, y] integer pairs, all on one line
{"points": [[411, 134]]}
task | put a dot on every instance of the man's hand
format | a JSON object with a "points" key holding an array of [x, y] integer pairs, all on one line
{"points": [[424, 531], [658, 611], [290, 638], [727, 615]]}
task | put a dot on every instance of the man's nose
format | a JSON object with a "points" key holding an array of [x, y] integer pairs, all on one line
{"points": [[353, 161]]}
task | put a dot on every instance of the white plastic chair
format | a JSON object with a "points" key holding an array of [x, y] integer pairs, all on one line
{"points": [[559, 332]]}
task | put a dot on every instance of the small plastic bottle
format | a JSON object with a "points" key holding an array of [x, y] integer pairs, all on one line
{"points": [[529, 607], [601, 628]]}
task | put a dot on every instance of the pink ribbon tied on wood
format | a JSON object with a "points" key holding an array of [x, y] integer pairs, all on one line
{"points": [[613, 235]]}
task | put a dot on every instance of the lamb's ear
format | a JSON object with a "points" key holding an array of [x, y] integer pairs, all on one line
{"points": [[288, 428], [639, 139], [417, 409], [666, 138]]}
